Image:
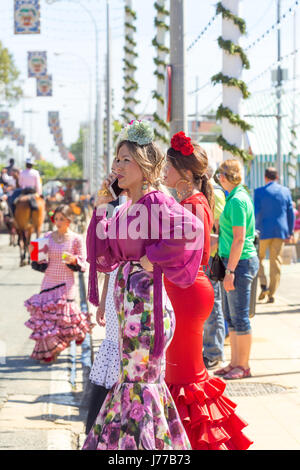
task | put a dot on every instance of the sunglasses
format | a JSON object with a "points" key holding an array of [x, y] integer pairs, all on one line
{"points": [[216, 176]]}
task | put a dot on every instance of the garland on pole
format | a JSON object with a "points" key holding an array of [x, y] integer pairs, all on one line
{"points": [[131, 86], [292, 165], [162, 13], [223, 111]]}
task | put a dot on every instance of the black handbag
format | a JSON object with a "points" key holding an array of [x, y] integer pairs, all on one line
{"points": [[41, 267], [217, 269]]}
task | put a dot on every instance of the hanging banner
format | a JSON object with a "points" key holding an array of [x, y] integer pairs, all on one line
{"points": [[55, 129], [37, 63], [8, 128], [44, 86], [53, 117], [15, 134], [4, 117], [27, 16], [21, 141]]}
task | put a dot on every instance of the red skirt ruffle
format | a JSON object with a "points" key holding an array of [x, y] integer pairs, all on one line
{"points": [[209, 417], [55, 322]]}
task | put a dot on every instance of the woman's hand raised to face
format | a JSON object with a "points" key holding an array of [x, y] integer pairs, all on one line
{"points": [[104, 195]]}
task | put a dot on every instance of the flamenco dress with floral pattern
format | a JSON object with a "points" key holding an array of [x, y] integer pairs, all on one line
{"points": [[207, 414], [55, 317], [138, 412]]}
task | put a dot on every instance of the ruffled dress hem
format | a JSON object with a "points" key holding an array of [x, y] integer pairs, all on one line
{"points": [[209, 417], [55, 321]]}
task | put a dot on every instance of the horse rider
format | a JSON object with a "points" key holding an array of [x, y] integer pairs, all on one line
{"points": [[30, 183]]}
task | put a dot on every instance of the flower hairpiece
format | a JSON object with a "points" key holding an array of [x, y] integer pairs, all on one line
{"points": [[140, 132], [182, 143], [51, 215]]}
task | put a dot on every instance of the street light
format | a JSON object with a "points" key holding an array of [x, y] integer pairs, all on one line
{"points": [[98, 138]]}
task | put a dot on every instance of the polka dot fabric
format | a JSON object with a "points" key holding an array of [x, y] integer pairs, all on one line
{"points": [[105, 370]]}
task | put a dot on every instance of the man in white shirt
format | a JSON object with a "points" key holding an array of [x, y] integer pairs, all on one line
{"points": [[30, 178], [30, 183]]}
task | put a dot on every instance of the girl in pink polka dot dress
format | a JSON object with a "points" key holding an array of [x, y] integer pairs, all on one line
{"points": [[55, 317]]}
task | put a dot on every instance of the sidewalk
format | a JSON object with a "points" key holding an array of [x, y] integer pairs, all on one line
{"points": [[270, 400]]}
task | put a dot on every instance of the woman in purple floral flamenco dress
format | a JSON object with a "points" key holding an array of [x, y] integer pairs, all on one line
{"points": [[138, 412], [55, 317]]}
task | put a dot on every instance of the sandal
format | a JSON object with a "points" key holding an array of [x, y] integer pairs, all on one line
{"points": [[237, 372], [224, 370]]}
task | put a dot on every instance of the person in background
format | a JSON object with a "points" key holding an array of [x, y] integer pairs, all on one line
{"points": [[105, 370], [139, 412], [208, 417], [30, 183], [30, 178], [214, 327], [275, 218], [55, 317], [10, 167], [238, 253]]}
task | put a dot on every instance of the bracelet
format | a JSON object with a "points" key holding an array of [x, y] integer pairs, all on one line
{"points": [[103, 192], [228, 271]]}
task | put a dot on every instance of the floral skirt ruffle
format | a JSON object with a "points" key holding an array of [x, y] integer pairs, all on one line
{"points": [[55, 321], [137, 416], [209, 417]]}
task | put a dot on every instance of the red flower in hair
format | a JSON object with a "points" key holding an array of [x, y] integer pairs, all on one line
{"points": [[182, 143], [51, 215]]}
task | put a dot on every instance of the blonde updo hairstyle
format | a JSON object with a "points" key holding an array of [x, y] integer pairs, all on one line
{"points": [[150, 159], [232, 170]]}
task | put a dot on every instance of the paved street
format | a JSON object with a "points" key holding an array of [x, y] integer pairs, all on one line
{"points": [[39, 409]]}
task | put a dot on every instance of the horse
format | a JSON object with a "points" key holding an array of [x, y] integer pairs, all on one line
{"points": [[7, 220], [28, 221]]}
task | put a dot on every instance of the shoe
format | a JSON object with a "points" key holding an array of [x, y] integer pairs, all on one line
{"points": [[264, 293], [210, 363], [270, 300], [237, 372], [224, 370]]}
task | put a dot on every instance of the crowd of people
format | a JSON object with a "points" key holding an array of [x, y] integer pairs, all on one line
{"points": [[179, 260]]}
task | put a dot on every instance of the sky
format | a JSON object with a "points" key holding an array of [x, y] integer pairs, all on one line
{"points": [[68, 36]]}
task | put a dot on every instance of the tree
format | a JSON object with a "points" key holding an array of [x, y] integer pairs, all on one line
{"points": [[77, 148], [48, 171], [9, 75]]}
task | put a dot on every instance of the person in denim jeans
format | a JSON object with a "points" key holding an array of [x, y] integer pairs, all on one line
{"points": [[237, 250], [214, 327]]}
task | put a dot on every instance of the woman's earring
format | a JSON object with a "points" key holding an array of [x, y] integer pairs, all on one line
{"points": [[183, 188], [145, 184]]}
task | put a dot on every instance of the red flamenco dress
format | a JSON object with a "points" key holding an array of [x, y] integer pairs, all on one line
{"points": [[208, 416]]}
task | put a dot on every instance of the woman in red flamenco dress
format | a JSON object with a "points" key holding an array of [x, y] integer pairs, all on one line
{"points": [[208, 416]]}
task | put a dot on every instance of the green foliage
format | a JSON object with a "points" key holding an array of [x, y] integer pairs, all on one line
{"points": [[230, 81], [245, 156], [232, 48], [77, 148], [239, 22], [9, 75], [224, 112], [48, 171]]}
